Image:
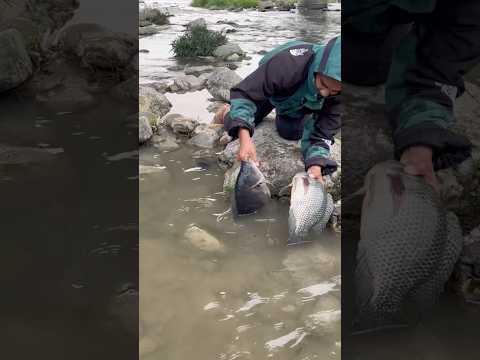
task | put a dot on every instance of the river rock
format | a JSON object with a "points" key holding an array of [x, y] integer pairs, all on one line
{"points": [[227, 50], [147, 346], [150, 30], [311, 265], [97, 47], [15, 63], [197, 22], [204, 136], [284, 5], [265, 5], [145, 131], [164, 140], [180, 124], [154, 102], [69, 98], [186, 83], [198, 70], [148, 16], [220, 82], [126, 90], [203, 240]]}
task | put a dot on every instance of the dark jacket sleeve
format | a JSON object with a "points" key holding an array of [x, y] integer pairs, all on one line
{"points": [[280, 77], [318, 136]]}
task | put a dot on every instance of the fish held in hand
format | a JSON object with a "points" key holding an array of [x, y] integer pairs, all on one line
{"points": [[251, 190], [310, 208], [408, 246]]}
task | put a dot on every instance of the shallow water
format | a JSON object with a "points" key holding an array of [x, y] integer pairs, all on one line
{"points": [[256, 299]]}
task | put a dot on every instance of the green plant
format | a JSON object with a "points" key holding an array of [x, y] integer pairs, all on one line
{"points": [[198, 41], [225, 3]]}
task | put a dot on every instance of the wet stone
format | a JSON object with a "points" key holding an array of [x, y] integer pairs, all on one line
{"points": [[15, 63], [180, 124], [145, 131], [202, 240], [204, 136], [150, 100], [220, 82]]}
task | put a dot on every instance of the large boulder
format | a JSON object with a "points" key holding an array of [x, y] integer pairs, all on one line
{"points": [[227, 50], [97, 47], [220, 82], [153, 102], [205, 136], [279, 159], [15, 63]]}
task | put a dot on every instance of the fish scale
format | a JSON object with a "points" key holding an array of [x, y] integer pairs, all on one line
{"points": [[310, 207], [409, 245]]}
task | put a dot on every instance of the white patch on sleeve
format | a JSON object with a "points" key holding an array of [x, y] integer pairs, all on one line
{"points": [[298, 52]]}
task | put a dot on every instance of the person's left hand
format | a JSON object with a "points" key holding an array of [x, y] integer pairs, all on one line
{"points": [[315, 172]]}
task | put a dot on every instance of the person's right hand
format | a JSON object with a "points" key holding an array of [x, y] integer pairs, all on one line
{"points": [[247, 149], [418, 162]]}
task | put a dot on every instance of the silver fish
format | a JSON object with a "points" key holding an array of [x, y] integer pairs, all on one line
{"points": [[251, 190], [310, 207], [408, 246]]}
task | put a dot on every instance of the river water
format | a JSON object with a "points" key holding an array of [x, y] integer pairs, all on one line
{"points": [[257, 299]]}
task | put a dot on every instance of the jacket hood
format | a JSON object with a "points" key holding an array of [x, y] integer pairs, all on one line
{"points": [[331, 59]]}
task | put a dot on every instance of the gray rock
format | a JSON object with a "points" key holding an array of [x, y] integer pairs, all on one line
{"points": [[164, 140], [126, 90], [266, 5], [203, 240], [227, 50], [160, 86], [154, 102], [145, 131], [186, 83], [198, 70], [197, 22], [15, 63], [179, 124], [233, 57], [152, 16], [150, 30], [220, 82], [67, 99], [204, 136], [97, 47]]}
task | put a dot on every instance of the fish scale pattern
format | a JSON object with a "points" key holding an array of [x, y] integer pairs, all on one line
{"points": [[405, 256], [308, 209]]}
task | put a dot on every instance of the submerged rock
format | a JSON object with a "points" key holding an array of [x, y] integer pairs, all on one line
{"points": [[154, 102], [186, 83], [180, 124], [228, 50], [15, 63], [198, 70], [220, 82], [204, 136], [145, 131], [164, 140], [197, 22], [202, 240]]}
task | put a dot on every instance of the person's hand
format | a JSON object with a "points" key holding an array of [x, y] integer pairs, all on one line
{"points": [[247, 149], [315, 172], [418, 162]]}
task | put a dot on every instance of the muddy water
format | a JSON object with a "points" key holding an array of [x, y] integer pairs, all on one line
{"points": [[256, 299]]}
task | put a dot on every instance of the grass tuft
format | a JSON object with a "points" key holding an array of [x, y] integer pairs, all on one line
{"points": [[225, 4], [198, 41]]}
